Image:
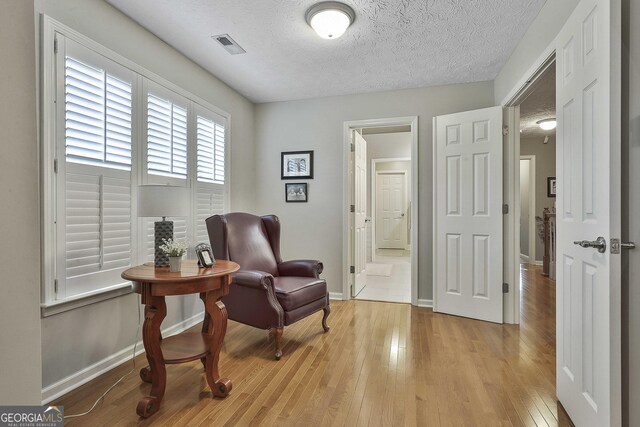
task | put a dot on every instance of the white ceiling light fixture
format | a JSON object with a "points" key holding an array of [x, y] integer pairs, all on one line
{"points": [[547, 124], [330, 19]]}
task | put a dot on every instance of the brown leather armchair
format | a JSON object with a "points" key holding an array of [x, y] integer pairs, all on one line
{"points": [[266, 292]]}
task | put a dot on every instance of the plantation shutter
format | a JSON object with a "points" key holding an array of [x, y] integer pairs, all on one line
{"points": [[166, 136], [210, 177], [210, 135], [94, 224]]}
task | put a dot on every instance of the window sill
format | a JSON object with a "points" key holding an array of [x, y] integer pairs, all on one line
{"points": [[57, 307]]}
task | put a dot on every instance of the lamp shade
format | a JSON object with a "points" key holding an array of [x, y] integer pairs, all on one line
{"points": [[162, 200], [330, 19]]}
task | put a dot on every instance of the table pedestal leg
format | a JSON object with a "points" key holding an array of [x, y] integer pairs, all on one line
{"points": [[155, 311], [213, 329]]}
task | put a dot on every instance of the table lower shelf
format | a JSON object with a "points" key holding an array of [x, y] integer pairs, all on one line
{"points": [[184, 347]]}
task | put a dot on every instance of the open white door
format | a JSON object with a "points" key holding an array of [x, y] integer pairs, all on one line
{"points": [[360, 203], [588, 207], [391, 208], [468, 214]]}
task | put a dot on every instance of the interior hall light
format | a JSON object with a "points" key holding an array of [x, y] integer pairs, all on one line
{"points": [[547, 124], [330, 19]]}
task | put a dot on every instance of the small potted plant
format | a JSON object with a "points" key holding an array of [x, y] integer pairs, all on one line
{"points": [[175, 250]]}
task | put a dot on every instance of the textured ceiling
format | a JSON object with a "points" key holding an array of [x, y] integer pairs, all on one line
{"points": [[539, 105], [393, 44]]}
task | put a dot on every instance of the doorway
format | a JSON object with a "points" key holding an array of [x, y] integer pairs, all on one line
{"points": [[537, 176], [381, 262]]}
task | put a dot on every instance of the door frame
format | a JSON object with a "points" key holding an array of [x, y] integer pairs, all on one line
{"points": [[347, 255], [532, 203], [372, 206], [511, 191]]}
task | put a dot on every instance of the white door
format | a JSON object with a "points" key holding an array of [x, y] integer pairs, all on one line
{"points": [[468, 214], [391, 211], [360, 203], [588, 207]]}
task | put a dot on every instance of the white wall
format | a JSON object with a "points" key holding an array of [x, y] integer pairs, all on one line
{"points": [[20, 372], [525, 189], [631, 207], [540, 34], [80, 338], [315, 229], [545, 167]]}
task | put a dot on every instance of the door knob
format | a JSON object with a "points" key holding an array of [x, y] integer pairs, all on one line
{"points": [[600, 244]]}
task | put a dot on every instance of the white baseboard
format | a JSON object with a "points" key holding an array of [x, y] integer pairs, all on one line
{"points": [[538, 263], [425, 303], [85, 375], [524, 258], [335, 296]]}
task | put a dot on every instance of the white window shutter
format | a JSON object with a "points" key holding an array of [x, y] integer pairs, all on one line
{"points": [[210, 135], [97, 229], [97, 117], [166, 138], [208, 202]]}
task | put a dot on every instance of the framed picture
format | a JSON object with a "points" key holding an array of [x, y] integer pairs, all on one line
{"points": [[205, 256], [296, 164], [296, 192], [551, 186]]}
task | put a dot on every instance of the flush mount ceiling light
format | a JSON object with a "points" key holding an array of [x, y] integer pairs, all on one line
{"points": [[547, 124], [330, 19]]}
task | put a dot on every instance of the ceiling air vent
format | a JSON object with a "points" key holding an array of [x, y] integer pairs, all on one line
{"points": [[229, 44]]}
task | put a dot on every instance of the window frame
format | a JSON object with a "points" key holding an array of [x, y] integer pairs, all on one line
{"points": [[52, 163]]}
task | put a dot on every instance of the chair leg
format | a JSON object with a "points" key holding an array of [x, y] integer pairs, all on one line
{"points": [[278, 338], [327, 311]]}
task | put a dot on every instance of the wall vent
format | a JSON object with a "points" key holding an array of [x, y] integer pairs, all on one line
{"points": [[229, 44]]}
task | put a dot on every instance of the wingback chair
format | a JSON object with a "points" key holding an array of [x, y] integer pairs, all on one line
{"points": [[266, 292]]}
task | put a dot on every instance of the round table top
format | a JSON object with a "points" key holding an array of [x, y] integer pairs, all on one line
{"points": [[151, 274]]}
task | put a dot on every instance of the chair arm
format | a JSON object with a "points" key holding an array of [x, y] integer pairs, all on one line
{"points": [[301, 268], [253, 279]]}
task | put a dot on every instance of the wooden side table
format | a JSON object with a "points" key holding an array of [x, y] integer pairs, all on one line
{"points": [[153, 284]]}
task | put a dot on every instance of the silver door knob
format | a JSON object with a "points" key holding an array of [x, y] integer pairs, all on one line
{"points": [[600, 244]]}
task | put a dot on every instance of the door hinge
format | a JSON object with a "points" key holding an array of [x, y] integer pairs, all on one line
{"points": [[505, 288], [353, 147], [505, 130], [352, 208], [55, 45], [55, 165], [352, 269], [55, 286], [505, 209]]}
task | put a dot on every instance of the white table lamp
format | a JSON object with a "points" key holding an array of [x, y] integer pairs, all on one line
{"points": [[162, 201]]}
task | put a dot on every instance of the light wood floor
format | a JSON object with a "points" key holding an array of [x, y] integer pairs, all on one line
{"points": [[381, 364]]}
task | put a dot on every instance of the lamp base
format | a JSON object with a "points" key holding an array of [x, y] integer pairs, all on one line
{"points": [[163, 230]]}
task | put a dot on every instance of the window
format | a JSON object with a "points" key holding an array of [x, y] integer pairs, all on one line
{"points": [[97, 116], [210, 164], [114, 126], [166, 137]]}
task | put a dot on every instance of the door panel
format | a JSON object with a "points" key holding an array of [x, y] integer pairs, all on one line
{"points": [[391, 208], [588, 206], [468, 214], [360, 202]]}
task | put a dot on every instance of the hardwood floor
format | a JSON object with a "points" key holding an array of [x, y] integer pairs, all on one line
{"points": [[381, 364]]}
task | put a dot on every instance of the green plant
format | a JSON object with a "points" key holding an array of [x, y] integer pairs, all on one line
{"points": [[174, 248]]}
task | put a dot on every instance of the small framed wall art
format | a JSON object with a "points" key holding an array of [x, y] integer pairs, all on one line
{"points": [[296, 165], [296, 192], [551, 186]]}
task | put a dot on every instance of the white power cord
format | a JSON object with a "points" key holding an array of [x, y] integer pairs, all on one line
{"points": [[133, 368]]}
